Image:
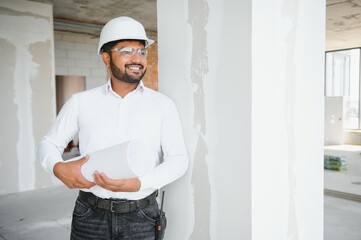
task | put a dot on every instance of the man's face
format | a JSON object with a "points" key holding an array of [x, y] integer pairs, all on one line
{"points": [[125, 67]]}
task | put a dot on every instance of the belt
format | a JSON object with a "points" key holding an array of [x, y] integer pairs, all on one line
{"points": [[118, 205]]}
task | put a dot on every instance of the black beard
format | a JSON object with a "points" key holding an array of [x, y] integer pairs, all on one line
{"points": [[123, 76]]}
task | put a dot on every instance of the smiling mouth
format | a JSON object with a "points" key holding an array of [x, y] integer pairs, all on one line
{"points": [[134, 68]]}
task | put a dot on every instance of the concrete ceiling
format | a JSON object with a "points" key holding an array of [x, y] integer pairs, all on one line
{"points": [[343, 24], [89, 16], [343, 18]]}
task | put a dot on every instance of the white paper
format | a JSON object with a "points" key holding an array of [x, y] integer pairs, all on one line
{"points": [[126, 160]]}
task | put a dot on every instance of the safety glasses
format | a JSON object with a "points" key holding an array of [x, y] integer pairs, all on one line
{"points": [[129, 52]]}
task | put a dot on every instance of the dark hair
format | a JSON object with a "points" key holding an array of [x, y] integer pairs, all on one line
{"points": [[107, 47]]}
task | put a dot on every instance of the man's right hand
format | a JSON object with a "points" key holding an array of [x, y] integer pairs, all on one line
{"points": [[69, 173]]}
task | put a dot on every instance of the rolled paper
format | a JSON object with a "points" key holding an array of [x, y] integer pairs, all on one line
{"points": [[126, 160]]}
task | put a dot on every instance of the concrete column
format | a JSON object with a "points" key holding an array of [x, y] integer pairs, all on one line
{"points": [[287, 119], [247, 77]]}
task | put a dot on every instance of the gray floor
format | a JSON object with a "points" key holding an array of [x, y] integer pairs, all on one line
{"points": [[37, 215], [342, 219], [46, 214]]}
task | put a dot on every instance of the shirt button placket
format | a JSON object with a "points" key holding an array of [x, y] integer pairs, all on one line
{"points": [[120, 119]]}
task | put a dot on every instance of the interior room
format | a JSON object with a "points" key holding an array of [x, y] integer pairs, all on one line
{"points": [[342, 91], [342, 96], [281, 192]]}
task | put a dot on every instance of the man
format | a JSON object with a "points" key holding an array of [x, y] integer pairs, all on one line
{"points": [[119, 111]]}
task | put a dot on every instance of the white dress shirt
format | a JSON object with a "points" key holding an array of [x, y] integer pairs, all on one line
{"points": [[102, 118]]}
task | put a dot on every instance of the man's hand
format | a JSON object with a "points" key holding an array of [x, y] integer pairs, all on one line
{"points": [[116, 185], [69, 173]]}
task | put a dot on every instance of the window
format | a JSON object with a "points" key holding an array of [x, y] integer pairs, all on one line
{"points": [[342, 78]]}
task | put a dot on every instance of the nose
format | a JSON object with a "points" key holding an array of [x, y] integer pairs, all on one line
{"points": [[135, 58]]}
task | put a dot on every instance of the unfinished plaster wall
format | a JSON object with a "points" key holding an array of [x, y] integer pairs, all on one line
{"points": [[27, 101], [247, 77], [204, 66]]}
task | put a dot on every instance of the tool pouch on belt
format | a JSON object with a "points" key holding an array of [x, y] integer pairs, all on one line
{"points": [[160, 226]]}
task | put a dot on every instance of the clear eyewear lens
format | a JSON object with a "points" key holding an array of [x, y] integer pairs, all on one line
{"points": [[129, 52]]}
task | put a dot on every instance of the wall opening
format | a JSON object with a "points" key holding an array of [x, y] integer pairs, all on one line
{"points": [[66, 86]]}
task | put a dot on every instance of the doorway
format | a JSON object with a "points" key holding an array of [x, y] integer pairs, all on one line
{"points": [[66, 86]]}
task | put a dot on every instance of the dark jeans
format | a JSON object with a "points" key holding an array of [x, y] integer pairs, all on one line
{"points": [[96, 223]]}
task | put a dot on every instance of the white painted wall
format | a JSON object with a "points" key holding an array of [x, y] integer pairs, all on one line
{"points": [[287, 119], [334, 120], [247, 77], [27, 99]]}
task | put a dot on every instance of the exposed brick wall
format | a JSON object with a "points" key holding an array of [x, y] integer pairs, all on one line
{"points": [[75, 55], [151, 77]]}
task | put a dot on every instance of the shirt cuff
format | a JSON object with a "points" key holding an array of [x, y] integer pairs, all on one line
{"points": [[147, 182], [50, 163]]}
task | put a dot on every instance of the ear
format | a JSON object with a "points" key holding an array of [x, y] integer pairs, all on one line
{"points": [[106, 59]]}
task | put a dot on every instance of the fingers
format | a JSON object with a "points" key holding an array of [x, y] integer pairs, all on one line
{"points": [[78, 181], [82, 180], [100, 178], [116, 185], [69, 173], [83, 160], [104, 181], [83, 183]]}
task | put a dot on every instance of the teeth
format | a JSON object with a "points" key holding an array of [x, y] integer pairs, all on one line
{"points": [[134, 67]]}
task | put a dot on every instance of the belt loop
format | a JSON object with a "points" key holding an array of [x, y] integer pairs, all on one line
{"points": [[137, 205], [96, 200]]}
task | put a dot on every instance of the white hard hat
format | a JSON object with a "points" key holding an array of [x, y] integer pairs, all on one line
{"points": [[123, 28]]}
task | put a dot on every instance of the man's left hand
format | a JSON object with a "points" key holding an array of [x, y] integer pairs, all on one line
{"points": [[116, 185]]}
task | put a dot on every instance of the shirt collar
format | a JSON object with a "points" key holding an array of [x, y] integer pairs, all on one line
{"points": [[109, 89]]}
